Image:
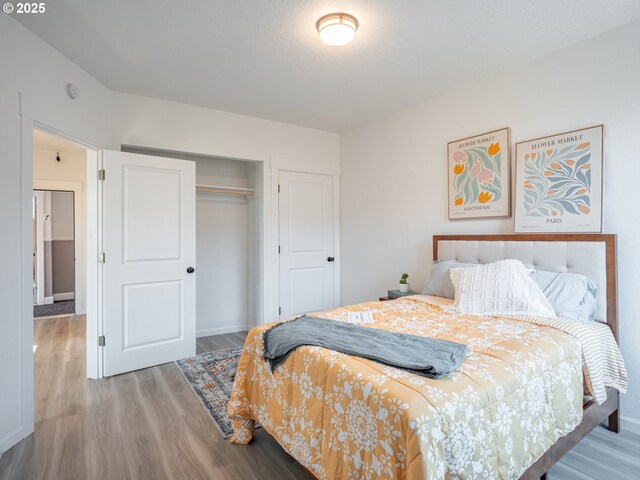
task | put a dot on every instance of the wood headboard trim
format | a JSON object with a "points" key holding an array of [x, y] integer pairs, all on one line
{"points": [[608, 239]]}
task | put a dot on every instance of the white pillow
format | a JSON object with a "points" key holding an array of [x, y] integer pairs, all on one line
{"points": [[499, 288]]}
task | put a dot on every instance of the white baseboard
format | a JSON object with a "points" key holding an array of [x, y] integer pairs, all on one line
{"points": [[48, 300], [10, 440], [63, 296], [630, 424], [220, 330]]}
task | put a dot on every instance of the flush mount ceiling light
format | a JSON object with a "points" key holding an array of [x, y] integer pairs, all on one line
{"points": [[337, 28]]}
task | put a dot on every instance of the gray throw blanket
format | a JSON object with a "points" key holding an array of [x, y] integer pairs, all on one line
{"points": [[429, 357]]}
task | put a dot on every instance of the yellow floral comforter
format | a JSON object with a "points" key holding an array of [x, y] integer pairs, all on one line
{"points": [[518, 391]]}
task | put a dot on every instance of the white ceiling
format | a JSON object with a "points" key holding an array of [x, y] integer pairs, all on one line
{"points": [[264, 58]]}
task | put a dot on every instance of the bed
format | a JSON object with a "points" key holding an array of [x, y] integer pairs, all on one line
{"points": [[512, 410]]}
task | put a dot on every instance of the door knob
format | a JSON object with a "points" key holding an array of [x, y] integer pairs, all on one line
{"points": [[330, 259], [191, 270]]}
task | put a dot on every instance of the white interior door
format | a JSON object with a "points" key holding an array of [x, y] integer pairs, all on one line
{"points": [[305, 218], [149, 245], [38, 247]]}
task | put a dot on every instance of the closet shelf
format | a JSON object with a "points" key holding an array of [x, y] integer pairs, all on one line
{"points": [[249, 192]]}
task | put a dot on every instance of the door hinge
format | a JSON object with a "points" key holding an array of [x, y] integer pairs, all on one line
{"points": [[278, 188], [101, 174], [102, 257], [101, 341], [279, 310], [278, 248]]}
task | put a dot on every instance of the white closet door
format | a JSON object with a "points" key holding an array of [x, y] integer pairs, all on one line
{"points": [[149, 245], [39, 220], [307, 265]]}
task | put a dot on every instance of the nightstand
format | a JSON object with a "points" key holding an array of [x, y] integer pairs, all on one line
{"points": [[395, 294]]}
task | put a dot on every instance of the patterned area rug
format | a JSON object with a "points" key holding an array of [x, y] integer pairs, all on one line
{"points": [[210, 376], [65, 307]]}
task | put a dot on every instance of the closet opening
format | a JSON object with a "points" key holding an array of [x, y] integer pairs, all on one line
{"points": [[229, 233]]}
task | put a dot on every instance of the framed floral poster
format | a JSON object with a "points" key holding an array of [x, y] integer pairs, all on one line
{"points": [[479, 176], [559, 182]]}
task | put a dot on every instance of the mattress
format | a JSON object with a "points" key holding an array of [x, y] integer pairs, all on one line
{"points": [[518, 391]]}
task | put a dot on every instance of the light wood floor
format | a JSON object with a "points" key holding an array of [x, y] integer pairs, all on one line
{"points": [[141, 425], [149, 425]]}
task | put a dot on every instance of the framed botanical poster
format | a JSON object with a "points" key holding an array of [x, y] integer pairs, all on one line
{"points": [[559, 182], [479, 176]]}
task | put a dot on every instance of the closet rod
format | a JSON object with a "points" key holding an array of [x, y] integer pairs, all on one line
{"points": [[232, 190]]}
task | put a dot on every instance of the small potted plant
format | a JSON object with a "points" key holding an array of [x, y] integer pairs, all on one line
{"points": [[404, 286]]}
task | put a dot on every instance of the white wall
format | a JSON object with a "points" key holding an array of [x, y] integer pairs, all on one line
{"points": [[394, 179], [167, 125], [36, 70], [62, 245], [61, 215]]}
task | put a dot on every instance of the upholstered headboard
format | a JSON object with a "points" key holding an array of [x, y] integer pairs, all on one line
{"points": [[593, 255]]}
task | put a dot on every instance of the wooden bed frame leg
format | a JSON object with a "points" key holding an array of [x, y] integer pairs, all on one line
{"points": [[614, 421]]}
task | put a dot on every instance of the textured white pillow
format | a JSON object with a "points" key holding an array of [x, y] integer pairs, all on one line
{"points": [[499, 288]]}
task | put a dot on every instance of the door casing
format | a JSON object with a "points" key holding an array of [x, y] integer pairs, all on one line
{"points": [[25, 359]]}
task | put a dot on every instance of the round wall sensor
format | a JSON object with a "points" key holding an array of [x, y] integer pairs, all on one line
{"points": [[72, 90]]}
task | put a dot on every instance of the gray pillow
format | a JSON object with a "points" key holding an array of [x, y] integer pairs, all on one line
{"points": [[570, 294], [440, 284]]}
